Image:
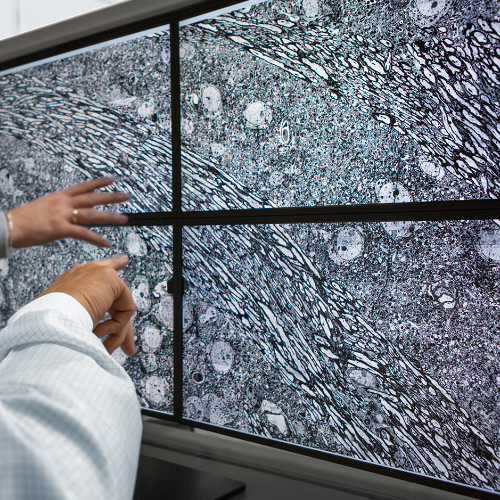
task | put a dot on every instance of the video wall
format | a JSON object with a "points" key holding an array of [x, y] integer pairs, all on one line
{"points": [[375, 340]]}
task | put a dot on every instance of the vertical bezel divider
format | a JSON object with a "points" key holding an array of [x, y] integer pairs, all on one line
{"points": [[176, 211]]}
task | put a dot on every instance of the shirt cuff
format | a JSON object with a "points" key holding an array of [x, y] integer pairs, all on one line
{"points": [[60, 302]]}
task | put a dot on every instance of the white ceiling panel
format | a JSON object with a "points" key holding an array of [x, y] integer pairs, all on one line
{"points": [[19, 16]]}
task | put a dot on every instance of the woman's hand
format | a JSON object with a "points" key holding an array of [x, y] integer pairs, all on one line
{"points": [[58, 215]]}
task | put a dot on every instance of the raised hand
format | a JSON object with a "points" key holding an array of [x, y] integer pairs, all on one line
{"points": [[97, 286], [59, 214]]}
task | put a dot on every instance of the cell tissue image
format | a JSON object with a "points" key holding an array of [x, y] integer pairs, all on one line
{"points": [[105, 111], [102, 112], [317, 102], [29, 271], [354, 338]]}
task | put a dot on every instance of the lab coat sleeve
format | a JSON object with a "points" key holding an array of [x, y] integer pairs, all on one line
{"points": [[70, 424]]}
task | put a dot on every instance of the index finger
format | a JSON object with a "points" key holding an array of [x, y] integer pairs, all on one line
{"points": [[88, 186], [118, 262]]}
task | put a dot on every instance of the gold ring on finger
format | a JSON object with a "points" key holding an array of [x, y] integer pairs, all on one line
{"points": [[74, 216]]}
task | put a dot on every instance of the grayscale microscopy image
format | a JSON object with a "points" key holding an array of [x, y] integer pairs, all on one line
{"points": [[27, 172], [377, 341], [102, 112], [325, 102]]}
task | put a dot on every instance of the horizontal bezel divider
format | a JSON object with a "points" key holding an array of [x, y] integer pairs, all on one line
{"points": [[425, 211]]}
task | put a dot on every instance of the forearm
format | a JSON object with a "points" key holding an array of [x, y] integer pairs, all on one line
{"points": [[66, 406]]}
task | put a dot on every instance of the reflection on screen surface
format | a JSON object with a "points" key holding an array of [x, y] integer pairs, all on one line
{"points": [[304, 103], [350, 338], [101, 112]]}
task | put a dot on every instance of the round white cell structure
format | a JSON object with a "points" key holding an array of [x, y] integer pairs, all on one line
{"points": [[221, 356], [154, 389], [489, 244], [211, 99], [431, 169], [216, 411], [258, 115], [140, 293], [397, 228], [363, 377], [119, 356], [146, 109], [311, 8], [349, 244], [392, 192], [186, 51], [187, 126], [136, 246], [193, 408], [217, 149], [164, 312], [276, 179], [431, 8], [151, 338], [209, 315]]}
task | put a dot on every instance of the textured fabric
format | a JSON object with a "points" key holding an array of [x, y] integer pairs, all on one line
{"points": [[4, 240], [70, 424]]}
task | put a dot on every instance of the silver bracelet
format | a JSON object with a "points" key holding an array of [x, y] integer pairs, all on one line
{"points": [[10, 228]]}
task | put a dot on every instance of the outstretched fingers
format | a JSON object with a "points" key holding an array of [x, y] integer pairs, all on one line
{"points": [[89, 217], [88, 200], [118, 262], [84, 234], [88, 186]]}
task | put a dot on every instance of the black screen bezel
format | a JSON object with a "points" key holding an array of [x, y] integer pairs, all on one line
{"points": [[177, 218]]}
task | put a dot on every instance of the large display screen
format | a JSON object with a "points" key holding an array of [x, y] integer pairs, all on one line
{"points": [[350, 339], [341, 333], [311, 102]]}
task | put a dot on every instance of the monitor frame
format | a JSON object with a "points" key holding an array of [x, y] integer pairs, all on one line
{"points": [[135, 16]]}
